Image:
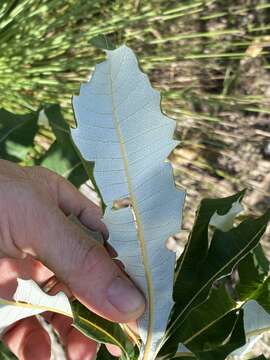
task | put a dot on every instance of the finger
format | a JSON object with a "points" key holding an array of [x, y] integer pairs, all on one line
{"points": [[28, 340], [110, 250], [79, 347], [80, 262], [87, 269], [76, 345], [11, 269]]}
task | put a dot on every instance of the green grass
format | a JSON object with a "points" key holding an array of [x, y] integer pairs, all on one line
{"points": [[210, 59], [45, 47]]}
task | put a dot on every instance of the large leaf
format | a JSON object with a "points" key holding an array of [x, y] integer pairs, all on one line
{"points": [[206, 260], [17, 134], [215, 328], [236, 338], [121, 128], [208, 325], [30, 300], [199, 244], [62, 157]]}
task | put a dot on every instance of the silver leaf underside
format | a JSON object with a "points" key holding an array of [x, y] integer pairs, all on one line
{"points": [[122, 129]]}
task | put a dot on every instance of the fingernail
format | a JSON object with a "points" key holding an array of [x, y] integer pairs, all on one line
{"points": [[124, 296]]}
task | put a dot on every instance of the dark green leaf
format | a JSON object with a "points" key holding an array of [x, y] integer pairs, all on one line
{"points": [[102, 42], [101, 330], [17, 134], [235, 339], [197, 248], [63, 157], [205, 261], [5, 353], [200, 330], [215, 328]]}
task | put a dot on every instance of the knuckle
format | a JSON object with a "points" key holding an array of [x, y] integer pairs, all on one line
{"points": [[93, 258], [8, 242], [45, 179], [36, 172]]}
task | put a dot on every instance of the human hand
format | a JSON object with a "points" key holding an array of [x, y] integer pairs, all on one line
{"points": [[37, 240]]}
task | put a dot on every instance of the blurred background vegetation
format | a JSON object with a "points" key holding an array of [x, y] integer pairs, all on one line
{"points": [[209, 58]]}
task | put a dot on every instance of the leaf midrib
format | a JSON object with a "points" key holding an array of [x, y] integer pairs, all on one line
{"points": [[205, 328], [139, 227], [33, 306], [102, 330]]}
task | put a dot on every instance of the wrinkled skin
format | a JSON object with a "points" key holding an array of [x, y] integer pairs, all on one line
{"points": [[38, 241]]}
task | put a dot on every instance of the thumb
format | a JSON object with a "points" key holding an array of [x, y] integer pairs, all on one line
{"points": [[77, 260], [86, 268]]}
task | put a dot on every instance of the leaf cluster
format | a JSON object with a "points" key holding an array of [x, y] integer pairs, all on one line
{"points": [[210, 318]]}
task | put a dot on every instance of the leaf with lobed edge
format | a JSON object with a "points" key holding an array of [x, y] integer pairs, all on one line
{"points": [[30, 300], [122, 129], [225, 222], [62, 157], [101, 330], [214, 257]]}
